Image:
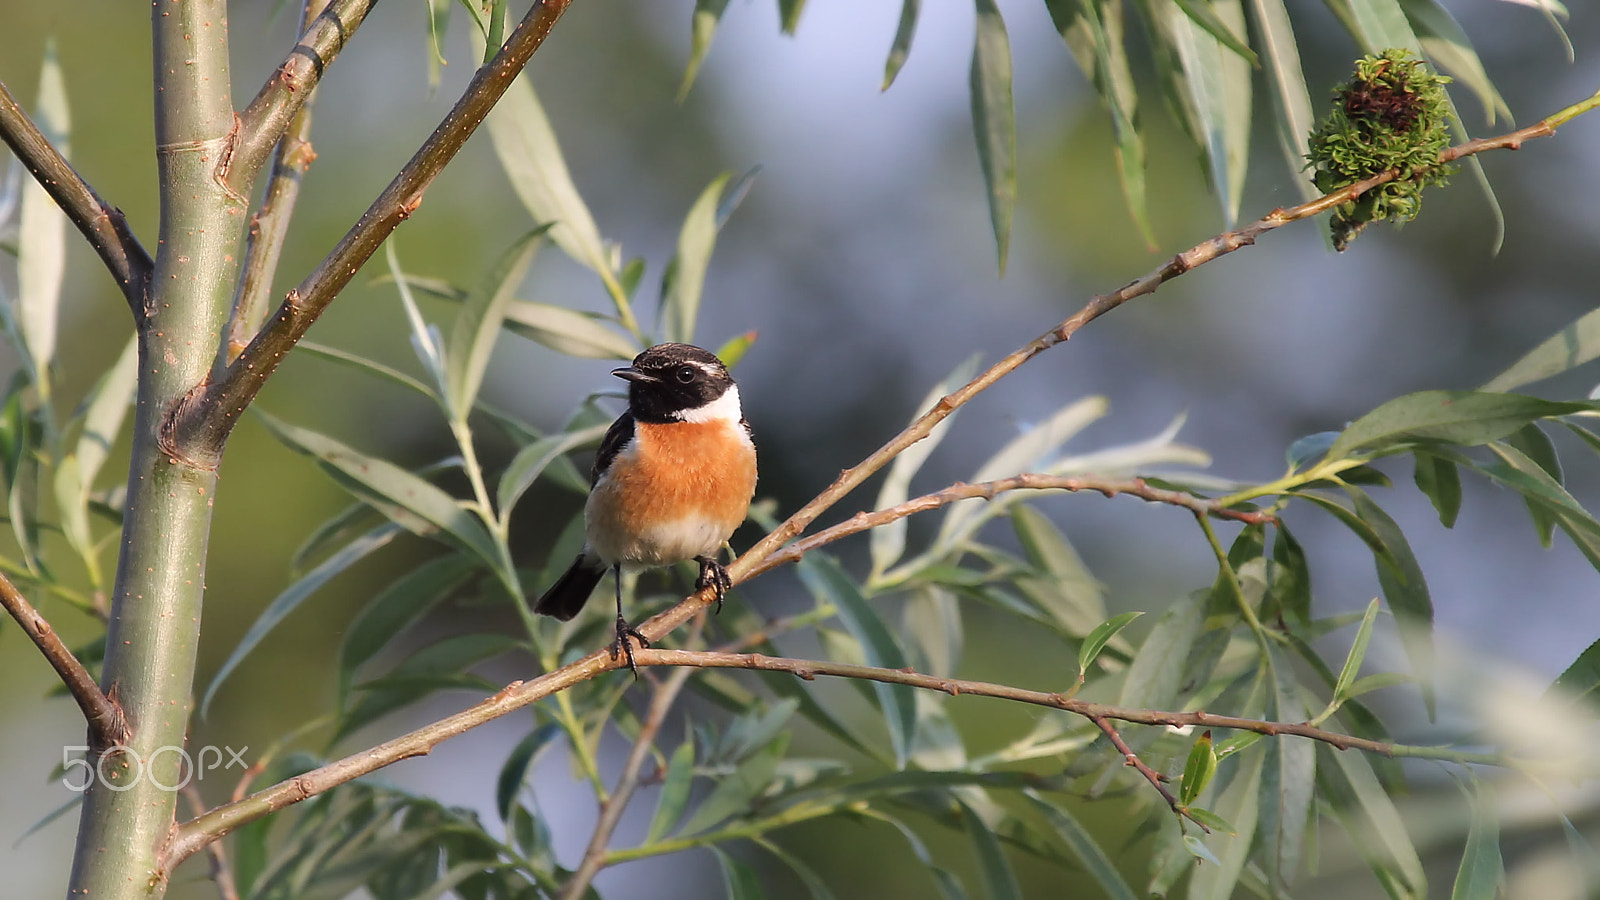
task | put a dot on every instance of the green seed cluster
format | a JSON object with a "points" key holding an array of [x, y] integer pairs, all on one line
{"points": [[1392, 115]]}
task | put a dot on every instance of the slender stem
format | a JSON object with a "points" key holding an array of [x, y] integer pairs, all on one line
{"points": [[101, 224], [270, 224], [594, 857], [741, 831], [1110, 487], [221, 872], [200, 425], [1132, 759], [1226, 572], [107, 726]]}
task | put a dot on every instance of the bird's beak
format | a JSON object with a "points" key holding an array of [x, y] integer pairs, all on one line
{"points": [[632, 374]]}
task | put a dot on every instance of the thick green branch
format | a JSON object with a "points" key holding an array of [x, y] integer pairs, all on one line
{"points": [[102, 225], [200, 425]]}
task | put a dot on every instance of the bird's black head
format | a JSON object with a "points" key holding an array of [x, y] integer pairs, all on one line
{"points": [[679, 382]]}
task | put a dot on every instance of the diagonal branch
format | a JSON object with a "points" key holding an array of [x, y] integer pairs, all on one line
{"points": [[269, 226], [107, 725], [1110, 487], [195, 834], [199, 426], [275, 106], [102, 225]]}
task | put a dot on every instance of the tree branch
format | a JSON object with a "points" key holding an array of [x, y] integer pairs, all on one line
{"points": [[103, 226], [1110, 487], [270, 224], [1132, 759], [199, 426], [290, 87], [107, 725], [197, 833]]}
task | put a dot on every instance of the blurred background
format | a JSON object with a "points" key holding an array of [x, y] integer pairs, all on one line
{"points": [[863, 258]]}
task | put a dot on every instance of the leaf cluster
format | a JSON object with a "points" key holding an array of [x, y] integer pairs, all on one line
{"points": [[1393, 114]]}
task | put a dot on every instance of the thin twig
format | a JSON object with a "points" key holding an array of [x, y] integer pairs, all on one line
{"points": [[265, 120], [594, 856], [197, 833], [269, 226], [199, 426], [1110, 487], [102, 225], [108, 727], [1132, 759], [221, 872]]}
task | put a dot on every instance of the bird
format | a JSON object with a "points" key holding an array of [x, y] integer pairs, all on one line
{"points": [[671, 482]]}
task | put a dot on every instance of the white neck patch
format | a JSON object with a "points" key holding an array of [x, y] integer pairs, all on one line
{"points": [[723, 409]]}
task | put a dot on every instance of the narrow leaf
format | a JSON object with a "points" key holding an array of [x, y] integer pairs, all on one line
{"points": [[1198, 769], [1096, 641], [1405, 589], [1536, 446], [738, 879], [1291, 101], [1238, 804], [42, 234], [684, 281], [397, 607], [1358, 652], [1567, 349], [994, 121], [531, 157], [477, 323], [568, 331], [1083, 845], [1216, 86], [515, 770], [1153, 678], [1471, 418], [702, 28], [343, 357], [898, 701], [1372, 822], [291, 598], [674, 792], [1482, 873], [901, 48], [531, 461], [999, 881], [1440, 481], [789, 14], [1581, 679]]}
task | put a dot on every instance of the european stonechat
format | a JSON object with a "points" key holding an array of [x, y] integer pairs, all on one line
{"points": [[672, 481]]}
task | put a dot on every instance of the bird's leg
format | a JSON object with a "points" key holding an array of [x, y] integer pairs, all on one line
{"points": [[714, 576], [624, 630]]}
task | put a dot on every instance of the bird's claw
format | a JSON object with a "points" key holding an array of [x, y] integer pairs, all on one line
{"points": [[623, 646], [715, 576]]}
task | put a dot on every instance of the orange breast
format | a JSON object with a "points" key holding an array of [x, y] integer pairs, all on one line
{"points": [[678, 491]]}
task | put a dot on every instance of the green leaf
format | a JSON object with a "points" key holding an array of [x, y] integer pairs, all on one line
{"points": [[1288, 779], [1290, 576], [901, 48], [1198, 849], [1291, 101], [438, 666], [1156, 673], [1405, 589], [1372, 822], [734, 792], [1581, 679], [1094, 32], [291, 598], [1439, 480], [399, 606], [1216, 88], [674, 792], [403, 497], [994, 121], [999, 882], [1358, 652], [42, 234], [1212, 821], [568, 331], [477, 323], [948, 884], [531, 461], [1201, 13], [515, 770], [1198, 769], [1096, 641], [1083, 845], [734, 349], [789, 14], [1517, 471], [531, 158], [1447, 47], [334, 354], [1469, 418], [738, 879], [1482, 873], [105, 408], [1567, 349], [822, 574], [1536, 445], [1239, 803], [814, 884], [888, 541], [684, 281], [702, 28]]}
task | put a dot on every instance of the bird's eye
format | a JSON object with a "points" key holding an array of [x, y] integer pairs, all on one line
{"points": [[684, 375]]}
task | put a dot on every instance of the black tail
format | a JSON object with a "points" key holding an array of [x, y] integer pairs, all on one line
{"points": [[571, 591]]}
